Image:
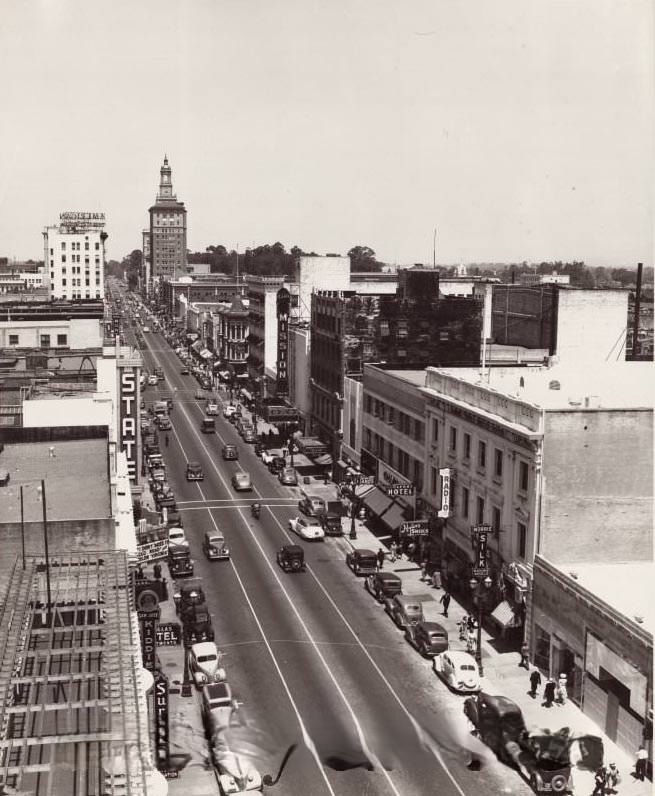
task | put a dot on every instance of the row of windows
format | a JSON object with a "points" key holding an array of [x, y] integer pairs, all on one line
{"points": [[481, 455], [62, 339], [75, 246], [76, 258], [394, 456], [409, 426]]}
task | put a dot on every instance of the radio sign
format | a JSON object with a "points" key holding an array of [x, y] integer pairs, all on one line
{"points": [[128, 422], [444, 511]]}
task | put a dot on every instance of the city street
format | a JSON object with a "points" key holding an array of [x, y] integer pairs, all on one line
{"points": [[312, 657]]}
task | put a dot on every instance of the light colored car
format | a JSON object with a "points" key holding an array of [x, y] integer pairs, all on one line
{"points": [[458, 669], [153, 381], [229, 410], [242, 482], [312, 505], [288, 477], [146, 328], [270, 454], [307, 528], [212, 409], [204, 659], [176, 536]]}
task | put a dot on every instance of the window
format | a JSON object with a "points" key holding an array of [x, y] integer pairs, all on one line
{"points": [[465, 502], [495, 518], [523, 537], [435, 430], [480, 511], [524, 476], [52, 251], [63, 245], [63, 282], [482, 454], [13, 339], [45, 341], [86, 245], [498, 463], [63, 258], [97, 246], [453, 439], [467, 446], [62, 339], [433, 480]]}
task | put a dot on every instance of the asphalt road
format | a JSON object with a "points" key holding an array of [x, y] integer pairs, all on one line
{"points": [[312, 657]]}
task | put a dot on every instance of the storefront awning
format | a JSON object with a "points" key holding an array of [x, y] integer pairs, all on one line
{"points": [[393, 517], [324, 459], [504, 615], [377, 501], [246, 394], [206, 353], [197, 346]]}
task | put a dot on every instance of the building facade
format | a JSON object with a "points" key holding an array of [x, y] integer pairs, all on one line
{"points": [[231, 333], [74, 256], [49, 326], [168, 231]]}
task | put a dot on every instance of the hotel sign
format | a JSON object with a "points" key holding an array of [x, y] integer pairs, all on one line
{"points": [[129, 408], [444, 511], [76, 222]]}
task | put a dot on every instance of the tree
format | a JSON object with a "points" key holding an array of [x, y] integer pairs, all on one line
{"points": [[362, 258]]}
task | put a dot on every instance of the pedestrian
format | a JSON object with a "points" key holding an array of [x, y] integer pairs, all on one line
{"points": [[470, 622], [599, 781], [470, 641], [445, 601], [393, 550], [157, 570], [535, 682], [549, 693], [436, 579], [525, 654], [612, 778], [411, 550], [642, 763], [463, 625], [380, 557], [562, 693], [424, 571]]}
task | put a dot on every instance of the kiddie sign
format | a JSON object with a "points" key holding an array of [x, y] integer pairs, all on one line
{"points": [[128, 424]]}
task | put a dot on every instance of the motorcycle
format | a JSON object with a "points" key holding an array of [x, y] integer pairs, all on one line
{"points": [[255, 510]]}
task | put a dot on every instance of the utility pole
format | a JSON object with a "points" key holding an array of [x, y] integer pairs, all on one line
{"points": [[434, 248]]}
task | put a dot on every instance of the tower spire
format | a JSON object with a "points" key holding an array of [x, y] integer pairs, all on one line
{"points": [[165, 182]]}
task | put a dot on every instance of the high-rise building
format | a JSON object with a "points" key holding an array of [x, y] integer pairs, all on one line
{"points": [[167, 242], [74, 256]]}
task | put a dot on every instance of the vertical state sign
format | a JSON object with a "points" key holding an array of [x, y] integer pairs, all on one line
{"points": [[128, 428], [283, 306]]}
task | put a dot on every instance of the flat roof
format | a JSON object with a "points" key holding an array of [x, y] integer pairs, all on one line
{"points": [[615, 385], [76, 480], [626, 586], [416, 377]]}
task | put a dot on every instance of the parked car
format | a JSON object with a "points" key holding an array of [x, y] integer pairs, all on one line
{"points": [[362, 561], [204, 660], [159, 373], [383, 584], [250, 436], [216, 697], [307, 528], [312, 505], [404, 610], [214, 546], [177, 537], [180, 564], [158, 474], [331, 523], [230, 452], [458, 669], [164, 423], [277, 465], [288, 477], [205, 383], [291, 558], [197, 624], [269, 454], [259, 448], [241, 482], [229, 410], [429, 638], [194, 472]]}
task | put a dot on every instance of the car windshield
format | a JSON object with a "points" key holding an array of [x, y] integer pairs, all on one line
{"points": [[216, 540], [207, 658], [466, 667]]}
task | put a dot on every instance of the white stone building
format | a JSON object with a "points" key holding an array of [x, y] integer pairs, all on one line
{"points": [[74, 256]]}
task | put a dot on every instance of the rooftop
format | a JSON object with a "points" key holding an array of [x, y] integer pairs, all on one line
{"points": [[614, 385], [76, 480], [625, 586]]}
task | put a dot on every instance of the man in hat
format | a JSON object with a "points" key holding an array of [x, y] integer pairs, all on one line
{"points": [[535, 682]]}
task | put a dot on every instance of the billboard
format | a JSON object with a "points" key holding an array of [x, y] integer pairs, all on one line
{"points": [[79, 221]]}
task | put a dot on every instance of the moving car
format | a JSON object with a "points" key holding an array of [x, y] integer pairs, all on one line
{"points": [[180, 564], [194, 471], [404, 610], [184, 371], [214, 546], [230, 452], [250, 436], [241, 482], [164, 424], [429, 638], [307, 528], [312, 505], [458, 669], [383, 585], [362, 561], [291, 558], [208, 425], [211, 409], [288, 477], [152, 379], [204, 659]]}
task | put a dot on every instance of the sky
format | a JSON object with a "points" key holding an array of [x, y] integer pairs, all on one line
{"points": [[517, 129]]}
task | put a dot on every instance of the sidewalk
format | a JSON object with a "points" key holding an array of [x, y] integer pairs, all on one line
{"points": [[503, 675]]}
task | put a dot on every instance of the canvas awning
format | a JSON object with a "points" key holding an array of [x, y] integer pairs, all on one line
{"points": [[197, 346], [504, 615], [376, 501], [206, 353], [393, 516], [324, 459]]}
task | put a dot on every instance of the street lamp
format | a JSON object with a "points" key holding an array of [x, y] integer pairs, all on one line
{"points": [[480, 597], [353, 527]]}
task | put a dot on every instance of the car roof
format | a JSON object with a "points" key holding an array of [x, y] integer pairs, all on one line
{"points": [[214, 535], [217, 691], [405, 599], [459, 656], [204, 648], [433, 627], [363, 551], [193, 464], [390, 576], [293, 548]]}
